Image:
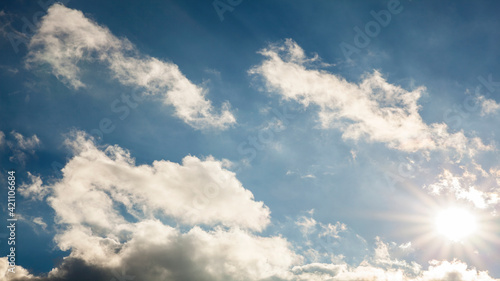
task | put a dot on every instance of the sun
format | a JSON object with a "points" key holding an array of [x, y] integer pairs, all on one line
{"points": [[456, 224]]}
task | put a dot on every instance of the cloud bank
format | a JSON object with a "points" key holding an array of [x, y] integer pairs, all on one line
{"points": [[123, 221]]}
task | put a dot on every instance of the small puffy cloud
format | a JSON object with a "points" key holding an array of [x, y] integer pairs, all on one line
{"points": [[66, 38], [488, 106], [373, 109], [2, 138]]}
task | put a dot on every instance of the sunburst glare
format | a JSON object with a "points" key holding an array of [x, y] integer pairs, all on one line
{"points": [[456, 224]]}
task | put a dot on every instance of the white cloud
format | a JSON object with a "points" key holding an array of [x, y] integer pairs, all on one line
{"points": [[465, 187], [95, 181], [101, 185], [437, 271], [151, 250], [374, 109], [455, 270], [174, 268], [2, 138], [383, 266], [378, 265], [19, 271], [66, 38], [488, 106], [155, 251]]}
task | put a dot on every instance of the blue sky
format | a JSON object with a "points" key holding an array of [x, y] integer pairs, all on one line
{"points": [[251, 140]]}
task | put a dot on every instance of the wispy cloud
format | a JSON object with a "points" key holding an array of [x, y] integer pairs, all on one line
{"points": [[21, 146]]}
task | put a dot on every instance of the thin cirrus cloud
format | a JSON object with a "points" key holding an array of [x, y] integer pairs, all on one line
{"points": [[373, 110], [65, 38]]}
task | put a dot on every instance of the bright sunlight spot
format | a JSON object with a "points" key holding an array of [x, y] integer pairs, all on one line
{"points": [[455, 224]]}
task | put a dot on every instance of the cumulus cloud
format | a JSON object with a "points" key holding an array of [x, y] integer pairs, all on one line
{"points": [[66, 38], [373, 109], [111, 215], [2, 138], [98, 180], [155, 251]]}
